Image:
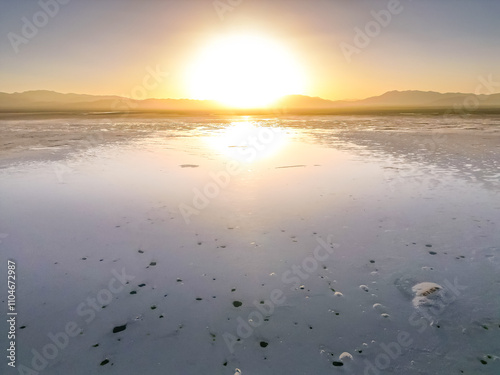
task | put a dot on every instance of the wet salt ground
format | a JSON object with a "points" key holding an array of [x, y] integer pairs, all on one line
{"points": [[116, 208]]}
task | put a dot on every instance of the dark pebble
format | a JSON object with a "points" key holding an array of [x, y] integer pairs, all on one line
{"points": [[119, 328], [105, 362]]}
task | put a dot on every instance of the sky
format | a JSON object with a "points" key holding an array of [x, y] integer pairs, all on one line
{"points": [[150, 47]]}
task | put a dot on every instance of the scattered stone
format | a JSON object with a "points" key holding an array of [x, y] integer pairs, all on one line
{"points": [[119, 328], [237, 303], [263, 344], [189, 166], [105, 362], [345, 355]]}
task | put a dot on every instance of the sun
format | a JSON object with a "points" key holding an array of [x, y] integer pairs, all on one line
{"points": [[245, 71]]}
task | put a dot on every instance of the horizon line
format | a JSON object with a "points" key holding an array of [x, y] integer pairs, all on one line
{"points": [[215, 100]]}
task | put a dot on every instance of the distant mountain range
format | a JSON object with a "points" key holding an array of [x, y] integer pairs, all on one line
{"points": [[44, 101]]}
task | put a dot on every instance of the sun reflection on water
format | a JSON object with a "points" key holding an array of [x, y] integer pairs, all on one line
{"points": [[248, 142]]}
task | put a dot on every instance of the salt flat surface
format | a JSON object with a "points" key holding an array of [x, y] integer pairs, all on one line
{"points": [[335, 219]]}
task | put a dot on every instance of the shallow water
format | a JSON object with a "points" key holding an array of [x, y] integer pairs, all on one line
{"points": [[301, 237]]}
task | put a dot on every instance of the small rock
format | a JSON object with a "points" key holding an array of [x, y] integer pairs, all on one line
{"points": [[119, 328], [345, 355]]}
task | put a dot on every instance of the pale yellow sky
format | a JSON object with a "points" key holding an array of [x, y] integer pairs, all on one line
{"points": [[110, 46]]}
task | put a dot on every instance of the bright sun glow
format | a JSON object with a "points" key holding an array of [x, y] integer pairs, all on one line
{"points": [[245, 71], [246, 143]]}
